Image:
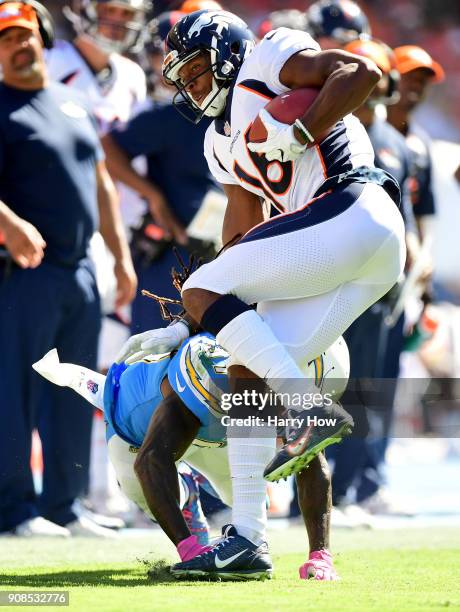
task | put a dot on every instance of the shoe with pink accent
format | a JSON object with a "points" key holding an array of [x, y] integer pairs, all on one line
{"points": [[191, 547], [319, 567]]}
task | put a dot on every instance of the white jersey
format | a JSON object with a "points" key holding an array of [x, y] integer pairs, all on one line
{"points": [[290, 185], [126, 89]]}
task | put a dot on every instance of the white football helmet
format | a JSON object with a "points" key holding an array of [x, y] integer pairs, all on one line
{"points": [[112, 34]]}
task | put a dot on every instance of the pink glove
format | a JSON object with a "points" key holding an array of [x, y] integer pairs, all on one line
{"points": [[319, 567], [190, 547]]}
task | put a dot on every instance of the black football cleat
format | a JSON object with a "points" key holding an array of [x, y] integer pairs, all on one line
{"points": [[320, 427], [233, 558]]}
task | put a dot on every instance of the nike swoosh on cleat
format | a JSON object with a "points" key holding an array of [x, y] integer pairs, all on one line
{"points": [[179, 386], [220, 563], [298, 446]]}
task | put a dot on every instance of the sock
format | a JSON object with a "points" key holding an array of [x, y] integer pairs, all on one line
{"points": [[248, 458], [85, 382], [190, 547], [251, 341]]}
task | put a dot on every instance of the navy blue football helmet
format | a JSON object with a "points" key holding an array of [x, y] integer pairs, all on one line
{"points": [[226, 38], [342, 20]]}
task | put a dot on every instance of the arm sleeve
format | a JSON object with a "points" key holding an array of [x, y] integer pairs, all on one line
{"points": [[217, 169], [276, 48], [144, 134]]}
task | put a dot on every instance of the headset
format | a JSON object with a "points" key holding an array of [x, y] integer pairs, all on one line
{"points": [[45, 21]]}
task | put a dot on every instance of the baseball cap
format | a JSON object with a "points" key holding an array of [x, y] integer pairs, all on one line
{"points": [[17, 15], [411, 57]]}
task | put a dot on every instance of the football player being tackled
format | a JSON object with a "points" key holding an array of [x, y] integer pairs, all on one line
{"points": [[167, 408], [336, 247]]}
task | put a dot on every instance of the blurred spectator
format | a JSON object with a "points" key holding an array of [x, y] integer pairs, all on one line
{"points": [[54, 188], [418, 71], [175, 187], [375, 347], [94, 62]]}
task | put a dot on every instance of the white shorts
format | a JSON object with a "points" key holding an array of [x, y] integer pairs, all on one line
{"points": [[310, 277], [211, 462]]}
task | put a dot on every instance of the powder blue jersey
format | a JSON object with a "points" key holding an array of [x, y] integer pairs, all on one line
{"points": [[197, 372]]}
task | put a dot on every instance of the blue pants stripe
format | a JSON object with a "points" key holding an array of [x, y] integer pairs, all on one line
{"points": [[320, 209]]}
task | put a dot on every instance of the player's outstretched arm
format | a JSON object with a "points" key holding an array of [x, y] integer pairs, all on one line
{"points": [[346, 80], [171, 431], [153, 342]]}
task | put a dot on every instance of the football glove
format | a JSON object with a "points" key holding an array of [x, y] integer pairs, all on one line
{"points": [[153, 342], [281, 143]]}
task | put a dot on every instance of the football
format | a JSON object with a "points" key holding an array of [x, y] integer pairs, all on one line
{"points": [[286, 107]]}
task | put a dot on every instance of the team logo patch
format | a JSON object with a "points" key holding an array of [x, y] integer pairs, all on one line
{"points": [[220, 18], [92, 386], [73, 110]]}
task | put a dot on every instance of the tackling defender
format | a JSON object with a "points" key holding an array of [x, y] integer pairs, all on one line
{"points": [[167, 408], [336, 247]]}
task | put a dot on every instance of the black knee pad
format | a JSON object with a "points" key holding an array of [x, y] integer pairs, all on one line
{"points": [[221, 312]]}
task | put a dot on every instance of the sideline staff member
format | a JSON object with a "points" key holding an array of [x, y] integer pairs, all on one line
{"points": [[52, 179]]}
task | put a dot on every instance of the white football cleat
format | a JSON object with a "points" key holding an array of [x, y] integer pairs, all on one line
{"points": [[39, 527], [84, 526]]}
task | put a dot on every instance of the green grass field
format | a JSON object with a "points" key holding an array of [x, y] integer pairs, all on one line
{"points": [[403, 570]]}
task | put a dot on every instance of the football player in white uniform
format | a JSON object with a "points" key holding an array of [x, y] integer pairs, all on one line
{"points": [[93, 62], [114, 85], [336, 247]]}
